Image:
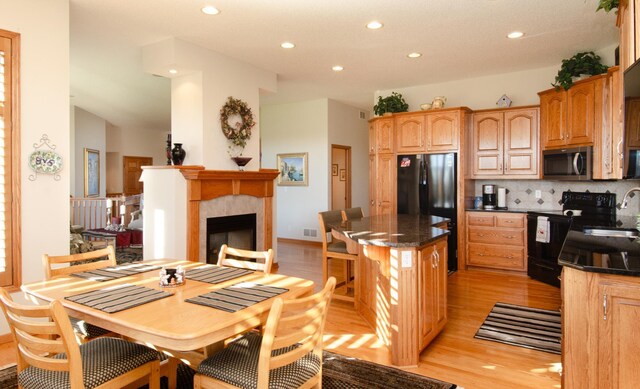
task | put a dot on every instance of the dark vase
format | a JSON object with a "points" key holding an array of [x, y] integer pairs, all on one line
{"points": [[178, 154], [241, 162]]}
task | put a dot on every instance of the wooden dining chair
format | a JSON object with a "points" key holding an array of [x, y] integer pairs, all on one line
{"points": [[288, 355], [49, 357], [335, 249], [352, 213], [62, 265], [244, 259]]}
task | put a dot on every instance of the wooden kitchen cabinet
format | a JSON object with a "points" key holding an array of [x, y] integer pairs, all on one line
{"points": [[600, 315], [496, 240], [569, 117], [504, 143], [382, 166], [443, 131], [608, 156], [411, 134], [629, 23], [433, 274], [632, 124]]}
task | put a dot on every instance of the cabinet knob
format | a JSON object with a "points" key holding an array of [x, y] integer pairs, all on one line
{"points": [[509, 236]]}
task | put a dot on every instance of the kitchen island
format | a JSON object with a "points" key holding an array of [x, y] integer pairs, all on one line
{"points": [[400, 279]]}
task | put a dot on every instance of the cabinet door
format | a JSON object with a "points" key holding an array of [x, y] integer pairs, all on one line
{"points": [[386, 184], [553, 119], [618, 357], [440, 285], [488, 140], [632, 123], [372, 138], [443, 131], [581, 114], [373, 210], [607, 164], [521, 142], [384, 135], [411, 134], [426, 282]]}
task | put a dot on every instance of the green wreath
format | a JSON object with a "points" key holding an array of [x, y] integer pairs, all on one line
{"points": [[240, 132]]}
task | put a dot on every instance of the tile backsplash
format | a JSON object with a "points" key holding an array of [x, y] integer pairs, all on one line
{"points": [[521, 193]]}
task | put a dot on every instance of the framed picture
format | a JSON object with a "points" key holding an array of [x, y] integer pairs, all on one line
{"points": [[334, 169], [343, 174], [91, 173], [293, 169]]}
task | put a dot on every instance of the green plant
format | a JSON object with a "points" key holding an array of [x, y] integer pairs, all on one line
{"points": [[393, 103], [608, 5], [582, 63]]}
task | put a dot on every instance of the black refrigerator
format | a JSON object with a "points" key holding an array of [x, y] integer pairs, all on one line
{"points": [[427, 185]]}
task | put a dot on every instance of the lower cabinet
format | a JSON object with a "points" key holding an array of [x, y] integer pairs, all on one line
{"points": [[433, 274], [497, 240], [600, 318]]}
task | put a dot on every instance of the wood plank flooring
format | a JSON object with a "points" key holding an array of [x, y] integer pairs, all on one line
{"points": [[454, 356]]}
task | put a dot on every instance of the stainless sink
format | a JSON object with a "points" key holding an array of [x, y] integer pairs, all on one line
{"points": [[613, 233]]}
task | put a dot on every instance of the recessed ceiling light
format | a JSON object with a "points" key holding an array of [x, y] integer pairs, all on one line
{"points": [[287, 45], [414, 55], [515, 35], [173, 71], [374, 25], [337, 68], [210, 10]]}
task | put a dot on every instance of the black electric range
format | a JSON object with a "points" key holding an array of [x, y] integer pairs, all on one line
{"points": [[579, 211]]}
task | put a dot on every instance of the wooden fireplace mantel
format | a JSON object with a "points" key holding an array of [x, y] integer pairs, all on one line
{"points": [[203, 185]]}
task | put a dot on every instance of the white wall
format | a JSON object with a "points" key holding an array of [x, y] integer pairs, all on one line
{"points": [[132, 142], [90, 133], [483, 92], [296, 128], [347, 129], [44, 106]]}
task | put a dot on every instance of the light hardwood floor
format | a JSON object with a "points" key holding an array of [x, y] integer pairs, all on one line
{"points": [[454, 356]]}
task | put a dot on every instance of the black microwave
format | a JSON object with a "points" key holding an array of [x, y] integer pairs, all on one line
{"points": [[567, 164]]}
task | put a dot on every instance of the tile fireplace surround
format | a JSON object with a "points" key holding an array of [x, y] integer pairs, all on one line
{"points": [[179, 199]]}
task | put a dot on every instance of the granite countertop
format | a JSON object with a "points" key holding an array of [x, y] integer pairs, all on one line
{"points": [[601, 254], [393, 230], [514, 210]]}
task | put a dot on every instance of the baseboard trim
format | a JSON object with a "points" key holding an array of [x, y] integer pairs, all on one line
{"points": [[300, 241]]}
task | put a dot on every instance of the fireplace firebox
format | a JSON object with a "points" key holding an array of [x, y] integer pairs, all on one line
{"points": [[237, 231]]}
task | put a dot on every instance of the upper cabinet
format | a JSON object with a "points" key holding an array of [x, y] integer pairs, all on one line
{"points": [[381, 135], [428, 131], [504, 143], [568, 118], [629, 24]]}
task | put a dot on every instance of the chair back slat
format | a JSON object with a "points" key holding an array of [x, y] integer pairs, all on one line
{"points": [[40, 332], [51, 271], [266, 258], [307, 315]]}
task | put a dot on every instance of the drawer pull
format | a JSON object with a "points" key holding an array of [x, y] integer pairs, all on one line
{"points": [[509, 236], [509, 221]]}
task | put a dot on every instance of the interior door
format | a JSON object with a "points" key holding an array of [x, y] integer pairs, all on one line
{"points": [[131, 184]]}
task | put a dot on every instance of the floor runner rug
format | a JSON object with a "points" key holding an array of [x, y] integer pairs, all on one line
{"points": [[533, 328], [338, 372]]}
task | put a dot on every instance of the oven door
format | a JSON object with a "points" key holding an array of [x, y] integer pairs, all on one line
{"points": [[542, 263]]}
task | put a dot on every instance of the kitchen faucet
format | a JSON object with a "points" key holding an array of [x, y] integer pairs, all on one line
{"points": [[625, 199]]}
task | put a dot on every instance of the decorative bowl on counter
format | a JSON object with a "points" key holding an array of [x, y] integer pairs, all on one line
{"points": [[425, 106]]}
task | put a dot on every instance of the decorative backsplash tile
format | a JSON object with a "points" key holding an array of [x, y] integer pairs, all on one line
{"points": [[521, 193]]}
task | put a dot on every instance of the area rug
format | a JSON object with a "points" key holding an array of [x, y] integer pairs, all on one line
{"points": [[533, 328], [128, 254], [338, 372]]}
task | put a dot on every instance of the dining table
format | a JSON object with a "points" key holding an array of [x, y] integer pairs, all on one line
{"points": [[175, 320]]}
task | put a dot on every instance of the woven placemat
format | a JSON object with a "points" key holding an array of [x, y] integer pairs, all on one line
{"points": [[236, 297], [115, 272], [118, 298], [215, 274]]}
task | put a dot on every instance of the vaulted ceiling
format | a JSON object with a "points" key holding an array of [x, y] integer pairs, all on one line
{"points": [[457, 39]]}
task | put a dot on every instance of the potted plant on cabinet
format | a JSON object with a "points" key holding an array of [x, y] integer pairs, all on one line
{"points": [[390, 104], [581, 64], [608, 5]]}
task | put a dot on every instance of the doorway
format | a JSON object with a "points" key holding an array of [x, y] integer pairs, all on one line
{"points": [[132, 169], [340, 177]]}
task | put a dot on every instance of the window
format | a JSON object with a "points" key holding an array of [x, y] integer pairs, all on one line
{"points": [[9, 161]]}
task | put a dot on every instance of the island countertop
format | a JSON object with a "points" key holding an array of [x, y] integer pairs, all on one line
{"points": [[393, 230]]}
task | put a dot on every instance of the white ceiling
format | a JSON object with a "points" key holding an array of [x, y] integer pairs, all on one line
{"points": [[458, 39]]}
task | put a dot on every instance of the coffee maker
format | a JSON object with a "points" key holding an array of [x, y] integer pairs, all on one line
{"points": [[489, 197]]}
